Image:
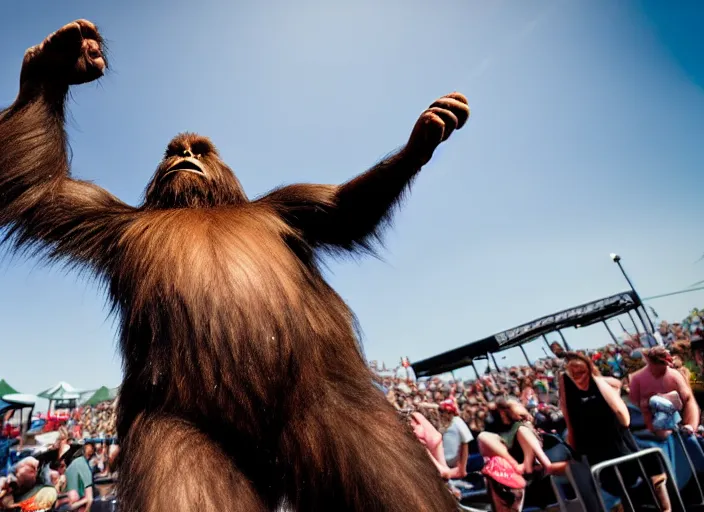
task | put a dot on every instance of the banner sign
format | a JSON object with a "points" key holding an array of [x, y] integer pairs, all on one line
{"points": [[621, 302]]}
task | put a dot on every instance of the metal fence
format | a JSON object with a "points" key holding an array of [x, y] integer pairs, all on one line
{"points": [[678, 436], [582, 503]]}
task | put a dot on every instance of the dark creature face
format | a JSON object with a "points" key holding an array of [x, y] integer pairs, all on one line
{"points": [[191, 175]]}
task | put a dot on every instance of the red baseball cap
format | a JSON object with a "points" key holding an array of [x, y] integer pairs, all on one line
{"points": [[449, 405]]}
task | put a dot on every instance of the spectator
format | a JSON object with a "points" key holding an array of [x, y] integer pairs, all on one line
{"points": [[58, 475], [679, 365], [79, 481], [456, 441], [113, 454], [511, 435], [665, 333], [659, 378], [22, 486], [587, 400], [98, 462], [429, 437], [529, 398]]}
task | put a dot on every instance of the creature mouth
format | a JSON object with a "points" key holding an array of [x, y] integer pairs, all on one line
{"points": [[187, 164]]}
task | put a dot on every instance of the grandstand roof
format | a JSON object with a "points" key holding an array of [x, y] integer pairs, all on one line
{"points": [[579, 316]]}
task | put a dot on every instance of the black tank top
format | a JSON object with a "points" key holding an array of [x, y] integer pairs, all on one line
{"points": [[497, 425], [597, 432]]}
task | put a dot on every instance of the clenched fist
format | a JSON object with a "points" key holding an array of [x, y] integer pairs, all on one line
{"points": [[71, 55], [436, 124]]}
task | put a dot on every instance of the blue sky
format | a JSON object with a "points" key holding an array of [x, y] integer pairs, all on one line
{"points": [[585, 139]]}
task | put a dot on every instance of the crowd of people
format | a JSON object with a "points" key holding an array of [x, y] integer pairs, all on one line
{"points": [[536, 386], [74, 472], [506, 412], [98, 421], [494, 424], [67, 482]]}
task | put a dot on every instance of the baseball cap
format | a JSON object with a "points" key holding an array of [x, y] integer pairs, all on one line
{"points": [[449, 405], [658, 355]]}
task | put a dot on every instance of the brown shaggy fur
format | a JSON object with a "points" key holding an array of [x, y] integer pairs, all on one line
{"points": [[243, 380]]}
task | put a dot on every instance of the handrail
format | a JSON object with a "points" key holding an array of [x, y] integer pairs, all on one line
{"points": [[598, 468]]}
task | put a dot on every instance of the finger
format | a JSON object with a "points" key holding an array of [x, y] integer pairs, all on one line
{"points": [[88, 30], [428, 131], [29, 53], [461, 110], [449, 119], [92, 49], [67, 34], [458, 96], [85, 23]]}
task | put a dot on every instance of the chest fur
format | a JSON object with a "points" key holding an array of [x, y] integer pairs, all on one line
{"points": [[209, 259]]}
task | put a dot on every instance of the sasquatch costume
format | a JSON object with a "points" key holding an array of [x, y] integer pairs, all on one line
{"points": [[243, 382]]}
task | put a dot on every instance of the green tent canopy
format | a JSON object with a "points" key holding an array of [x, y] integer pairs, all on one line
{"points": [[62, 391], [6, 389], [101, 395]]}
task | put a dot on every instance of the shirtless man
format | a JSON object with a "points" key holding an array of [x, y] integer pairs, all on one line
{"points": [[659, 378]]}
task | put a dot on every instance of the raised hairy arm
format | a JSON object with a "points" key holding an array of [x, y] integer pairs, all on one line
{"points": [[350, 216], [41, 206]]}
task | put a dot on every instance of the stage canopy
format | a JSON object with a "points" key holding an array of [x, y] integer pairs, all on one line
{"points": [[580, 316]]}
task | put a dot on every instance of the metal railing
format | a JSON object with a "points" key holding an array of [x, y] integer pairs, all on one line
{"points": [[627, 501], [579, 503], [692, 467]]}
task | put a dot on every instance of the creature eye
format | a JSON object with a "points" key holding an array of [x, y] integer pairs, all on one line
{"points": [[200, 148]]}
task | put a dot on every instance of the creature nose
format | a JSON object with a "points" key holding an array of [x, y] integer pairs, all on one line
{"points": [[186, 152]]}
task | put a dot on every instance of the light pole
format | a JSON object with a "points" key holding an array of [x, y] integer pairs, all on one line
{"points": [[617, 259]]}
